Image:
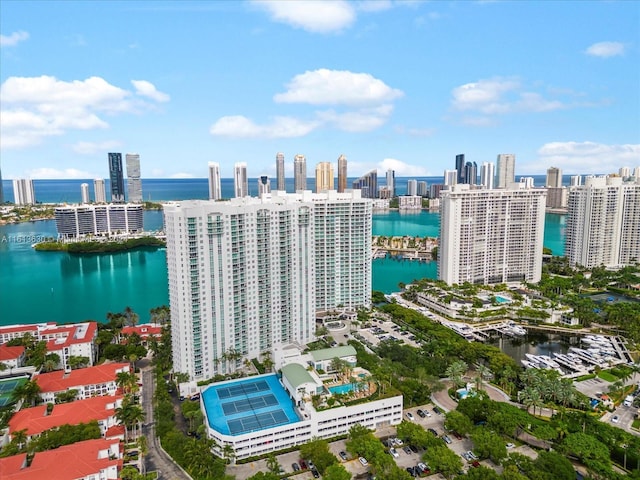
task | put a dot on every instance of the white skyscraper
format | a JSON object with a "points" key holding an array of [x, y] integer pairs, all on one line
{"points": [[280, 176], [84, 192], [215, 189], [391, 182], [554, 177], [240, 180], [134, 183], [264, 185], [450, 177], [487, 175], [576, 180], [505, 170], [491, 236], [603, 223], [299, 173], [412, 187], [99, 191], [265, 268], [624, 172], [23, 192]]}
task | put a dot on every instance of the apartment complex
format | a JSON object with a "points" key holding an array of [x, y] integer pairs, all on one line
{"points": [[505, 170], [603, 222], [215, 188], [243, 274], [134, 183], [299, 173], [99, 191], [491, 236], [23, 192], [324, 176], [74, 221], [368, 184], [342, 174], [240, 180], [280, 175], [116, 177]]}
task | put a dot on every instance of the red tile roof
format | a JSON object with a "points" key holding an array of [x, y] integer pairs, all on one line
{"points": [[77, 460], [59, 381], [117, 431], [144, 330], [10, 353], [12, 463], [18, 328], [66, 335], [35, 420]]}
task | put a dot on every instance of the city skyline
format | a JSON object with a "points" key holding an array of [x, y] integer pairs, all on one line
{"points": [[337, 87]]}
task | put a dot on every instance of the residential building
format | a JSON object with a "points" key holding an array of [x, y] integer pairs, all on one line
{"points": [[116, 178], [97, 459], [487, 175], [74, 221], [471, 173], [23, 192], [603, 222], [324, 176], [264, 185], [505, 170], [36, 420], [215, 188], [412, 187], [557, 198], [384, 193], [280, 175], [99, 192], [342, 174], [391, 182], [410, 202], [12, 357], [84, 193], [554, 177], [240, 180], [434, 190], [491, 236], [576, 180], [145, 331], [423, 189], [450, 177], [368, 183], [11, 332], [299, 173], [624, 172], [460, 171], [134, 182], [98, 381]]}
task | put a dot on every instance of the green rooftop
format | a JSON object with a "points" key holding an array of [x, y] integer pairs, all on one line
{"points": [[330, 353], [297, 375]]}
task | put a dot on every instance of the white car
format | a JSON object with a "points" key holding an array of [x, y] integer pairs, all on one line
{"points": [[363, 461], [394, 453], [615, 419], [410, 416], [510, 445]]}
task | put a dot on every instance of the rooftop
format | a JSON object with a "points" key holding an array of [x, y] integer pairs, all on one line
{"points": [[335, 352], [297, 375], [10, 353], [59, 381]]}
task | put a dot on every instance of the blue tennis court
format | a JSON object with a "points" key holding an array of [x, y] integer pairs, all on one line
{"points": [[248, 405]]}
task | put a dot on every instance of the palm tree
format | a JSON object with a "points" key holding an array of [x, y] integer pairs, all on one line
{"points": [[19, 438], [130, 415], [127, 381], [131, 318], [455, 371], [228, 453], [28, 392]]}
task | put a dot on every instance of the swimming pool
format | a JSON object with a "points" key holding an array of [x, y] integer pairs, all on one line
{"points": [[248, 405], [500, 299], [346, 388]]}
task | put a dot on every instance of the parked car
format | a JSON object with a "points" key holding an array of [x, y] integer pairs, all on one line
{"points": [[407, 450], [410, 416], [510, 445], [310, 464], [421, 413], [423, 467], [615, 419], [432, 430], [343, 455], [315, 473], [295, 467], [413, 448], [363, 461], [303, 464], [437, 410], [447, 439], [394, 453]]}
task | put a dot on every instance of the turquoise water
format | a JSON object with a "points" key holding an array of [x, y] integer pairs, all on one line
{"points": [[500, 299], [51, 286], [228, 409], [341, 389]]}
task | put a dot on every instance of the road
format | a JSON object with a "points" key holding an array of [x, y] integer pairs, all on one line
{"points": [[156, 459]]}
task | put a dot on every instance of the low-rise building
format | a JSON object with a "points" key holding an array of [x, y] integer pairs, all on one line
{"points": [[88, 460], [12, 357], [36, 420], [410, 202], [89, 382], [146, 331]]}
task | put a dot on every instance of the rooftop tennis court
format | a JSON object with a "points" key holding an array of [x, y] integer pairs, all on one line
{"points": [[7, 387], [248, 405]]}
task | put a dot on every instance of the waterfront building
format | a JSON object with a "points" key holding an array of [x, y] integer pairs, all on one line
{"points": [[342, 174], [491, 236], [280, 175], [84, 192], [460, 171], [471, 173], [368, 184], [487, 175], [23, 192], [423, 189], [12, 357], [384, 193], [603, 222], [75, 340], [450, 177], [299, 173], [409, 202], [391, 182], [434, 190], [412, 187], [624, 172], [576, 180], [324, 176], [98, 381], [264, 185], [505, 170], [116, 178], [134, 183], [215, 189], [554, 177], [99, 191], [557, 198], [74, 221], [240, 180]]}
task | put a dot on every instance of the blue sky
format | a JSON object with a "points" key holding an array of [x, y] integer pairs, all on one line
{"points": [[390, 84]]}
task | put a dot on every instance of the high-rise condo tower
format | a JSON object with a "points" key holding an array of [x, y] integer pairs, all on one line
{"points": [[116, 177], [240, 180], [342, 173], [324, 176], [215, 188], [299, 173], [506, 170], [280, 176]]}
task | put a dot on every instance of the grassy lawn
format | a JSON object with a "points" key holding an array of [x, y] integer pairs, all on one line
{"points": [[636, 424], [608, 377]]}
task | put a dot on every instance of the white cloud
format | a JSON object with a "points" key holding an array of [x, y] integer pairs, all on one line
{"points": [[402, 169], [13, 39], [90, 148], [585, 157], [313, 16], [37, 107], [148, 89], [483, 95], [182, 175], [238, 126], [363, 120], [48, 173], [337, 87], [605, 49]]}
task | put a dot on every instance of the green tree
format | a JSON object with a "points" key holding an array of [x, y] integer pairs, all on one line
{"points": [[488, 444], [593, 453], [455, 372], [458, 422], [336, 472], [443, 460], [28, 393], [555, 466], [480, 473], [272, 463]]}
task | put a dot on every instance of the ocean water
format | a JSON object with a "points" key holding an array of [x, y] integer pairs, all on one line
{"points": [[53, 286]]}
